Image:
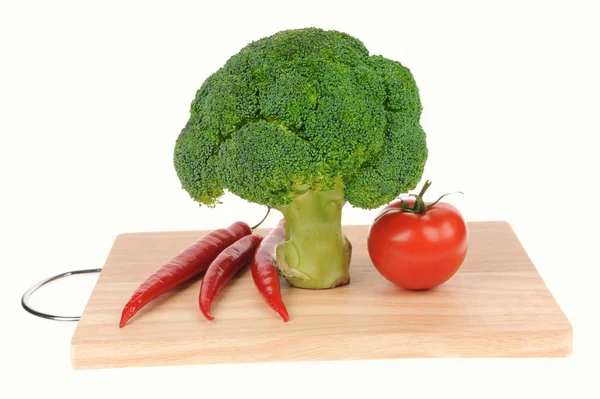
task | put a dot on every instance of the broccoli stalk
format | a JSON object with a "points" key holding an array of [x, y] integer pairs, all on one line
{"points": [[305, 121], [316, 253]]}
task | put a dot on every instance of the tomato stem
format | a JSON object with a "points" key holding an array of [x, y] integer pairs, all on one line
{"points": [[419, 207], [425, 187]]}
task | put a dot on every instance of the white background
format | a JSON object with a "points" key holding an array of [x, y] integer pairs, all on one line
{"points": [[94, 94]]}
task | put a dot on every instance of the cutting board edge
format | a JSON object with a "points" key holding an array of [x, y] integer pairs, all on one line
{"points": [[558, 344]]}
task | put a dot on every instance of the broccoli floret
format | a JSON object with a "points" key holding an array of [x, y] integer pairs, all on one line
{"points": [[299, 113]]}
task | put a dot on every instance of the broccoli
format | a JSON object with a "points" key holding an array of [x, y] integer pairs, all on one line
{"points": [[304, 121]]}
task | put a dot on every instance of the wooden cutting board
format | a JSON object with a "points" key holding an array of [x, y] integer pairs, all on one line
{"points": [[495, 306]]}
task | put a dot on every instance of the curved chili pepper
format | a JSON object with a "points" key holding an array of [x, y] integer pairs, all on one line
{"points": [[264, 270], [223, 268], [192, 261]]}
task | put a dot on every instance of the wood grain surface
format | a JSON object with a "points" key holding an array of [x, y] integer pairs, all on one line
{"points": [[495, 306]]}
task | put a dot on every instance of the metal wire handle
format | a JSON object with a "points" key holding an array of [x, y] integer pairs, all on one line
{"points": [[34, 288]]}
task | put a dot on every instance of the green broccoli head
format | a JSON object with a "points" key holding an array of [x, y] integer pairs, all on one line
{"points": [[296, 111]]}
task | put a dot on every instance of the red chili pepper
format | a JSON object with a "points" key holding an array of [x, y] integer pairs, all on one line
{"points": [[223, 268], [192, 261], [264, 270]]}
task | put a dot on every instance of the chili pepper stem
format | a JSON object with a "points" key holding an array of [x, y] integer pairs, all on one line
{"points": [[263, 219]]}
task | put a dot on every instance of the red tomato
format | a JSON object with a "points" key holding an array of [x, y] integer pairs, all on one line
{"points": [[418, 251]]}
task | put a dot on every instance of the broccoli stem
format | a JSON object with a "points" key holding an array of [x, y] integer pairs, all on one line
{"points": [[316, 253]]}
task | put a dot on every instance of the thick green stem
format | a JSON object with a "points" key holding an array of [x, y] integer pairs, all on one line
{"points": [[316, 254]]}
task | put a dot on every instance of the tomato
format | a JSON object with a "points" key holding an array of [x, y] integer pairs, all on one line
{"points": [[418, 251]]}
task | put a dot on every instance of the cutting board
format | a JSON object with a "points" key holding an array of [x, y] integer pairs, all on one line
{"points": [[495, 306]]}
